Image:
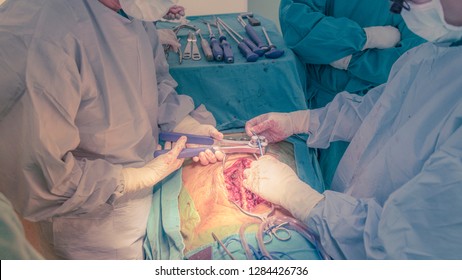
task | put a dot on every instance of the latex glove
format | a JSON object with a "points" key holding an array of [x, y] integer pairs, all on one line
{"points": [[278, 126], [191, 126], [168, 37], [154, 171], [277, 183], [381, 37], [342, 63], [175, 12]]}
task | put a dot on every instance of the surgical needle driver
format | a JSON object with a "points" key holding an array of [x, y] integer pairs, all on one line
{"points": [[249, 55], [272, 51], [227, 51]]}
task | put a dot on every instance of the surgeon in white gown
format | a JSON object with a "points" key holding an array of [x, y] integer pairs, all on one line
{"points": [[84, 94], [397, 192]]}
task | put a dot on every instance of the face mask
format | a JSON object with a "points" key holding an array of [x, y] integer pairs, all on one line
{"points": [[427, 21], [147, 10]]}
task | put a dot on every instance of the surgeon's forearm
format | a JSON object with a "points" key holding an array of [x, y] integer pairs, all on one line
{"points": [[373, 65], [317, 38], [344, 225]]}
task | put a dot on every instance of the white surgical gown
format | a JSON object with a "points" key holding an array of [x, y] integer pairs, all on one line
{"points": [[84, 92], [397, 192]]}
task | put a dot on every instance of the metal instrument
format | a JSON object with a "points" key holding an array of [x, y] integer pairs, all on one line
{"points": [[196, 55], [188, 49], [225, 146], [272, 51], [214, 44], [254, 36], [227, 51], [252, 20], [272, 231], [176, 29], [243, 44], [223, 246], [205, 47]]}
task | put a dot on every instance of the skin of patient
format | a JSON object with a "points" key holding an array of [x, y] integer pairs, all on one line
{"points": [[205, 205]]}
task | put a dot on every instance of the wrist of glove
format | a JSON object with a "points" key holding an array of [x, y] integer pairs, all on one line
{"points": [[381, 37], [154, 171], [300, 121], [278, 126], [279, 184], [342, 63], [299, 199]]}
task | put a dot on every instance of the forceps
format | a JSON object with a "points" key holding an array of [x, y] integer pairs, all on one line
{"points": [[277, 231]]}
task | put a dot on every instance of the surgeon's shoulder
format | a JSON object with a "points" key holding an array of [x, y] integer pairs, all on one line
{"points": [[39, 19], [414, 55]]}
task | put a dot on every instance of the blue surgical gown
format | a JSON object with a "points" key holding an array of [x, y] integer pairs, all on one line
{"points": [[323, 31], [84, 94], [397, 191]]}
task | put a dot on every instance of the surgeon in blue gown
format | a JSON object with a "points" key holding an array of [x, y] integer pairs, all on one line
{"points": [[85, 92], [346, 46], [397, 191]]}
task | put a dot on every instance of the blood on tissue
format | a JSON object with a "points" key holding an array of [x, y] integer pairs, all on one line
{"points": [[234, 175]]}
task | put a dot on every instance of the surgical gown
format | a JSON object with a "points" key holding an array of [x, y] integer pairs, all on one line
{"points": [[397, 191], [84, 94], [323, 31]]}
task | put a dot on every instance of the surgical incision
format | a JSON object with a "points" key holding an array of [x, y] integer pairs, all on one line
{"points": [[236, 191]]}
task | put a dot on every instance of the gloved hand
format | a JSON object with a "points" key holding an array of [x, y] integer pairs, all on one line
{"points": [[381, 37], [278, 126], [175, 12], [191, 126], [277, 183], [342, 63], [168, 37], [154, 171]]}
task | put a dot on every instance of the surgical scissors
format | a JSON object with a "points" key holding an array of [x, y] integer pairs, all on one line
{"points": [[277, 231]]}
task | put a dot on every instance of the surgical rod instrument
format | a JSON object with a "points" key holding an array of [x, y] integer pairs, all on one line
{"points": [[205, 47], [226, 146], [259, 141], [245, 50], [223, 246], [253, 36], [272, 51], [247, 41], [227, 51], [215, 45]]}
